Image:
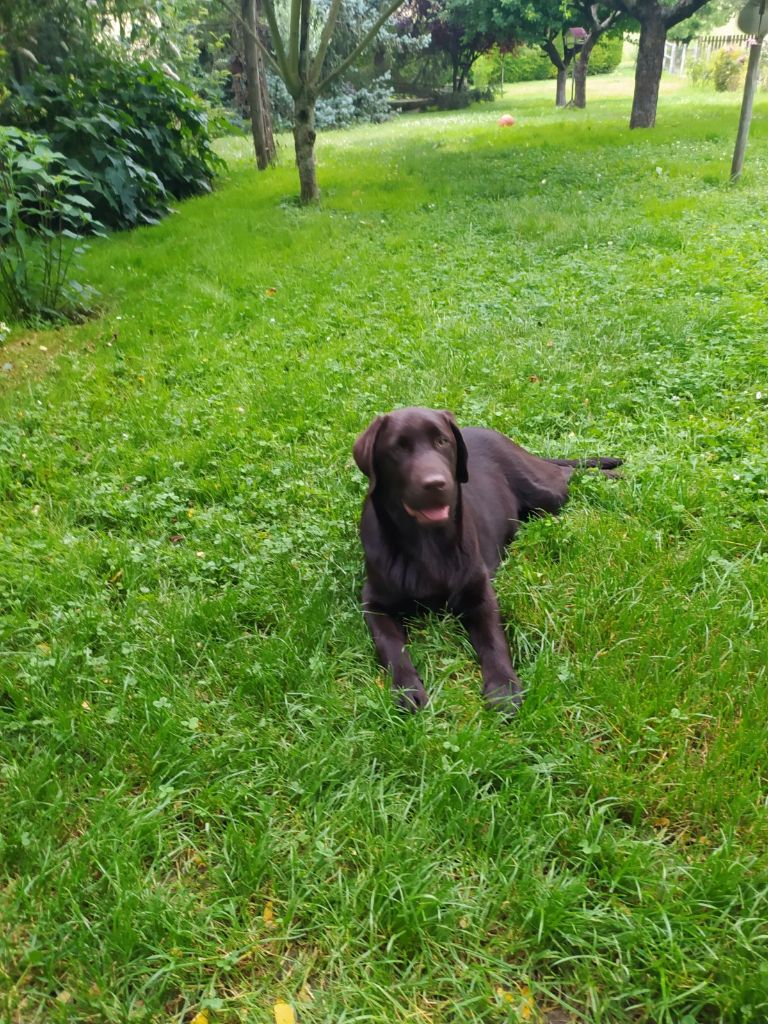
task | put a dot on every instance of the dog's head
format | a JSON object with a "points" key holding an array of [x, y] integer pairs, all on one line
{"points": [[415, 459]]}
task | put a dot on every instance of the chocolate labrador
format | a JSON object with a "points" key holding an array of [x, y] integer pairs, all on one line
{"points": [[442, 505]]}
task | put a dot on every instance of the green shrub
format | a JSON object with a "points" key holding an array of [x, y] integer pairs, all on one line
{"points": [[727, 69], [134, 136], [347, 105], [42, 221], [699, 72], [528, 64], [531, 63], [606, 55]]}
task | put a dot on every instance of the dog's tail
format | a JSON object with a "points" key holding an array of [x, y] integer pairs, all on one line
{"points": [[608, 463]]}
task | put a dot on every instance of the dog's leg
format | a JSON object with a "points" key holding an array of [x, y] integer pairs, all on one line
{"points": [[501, 687], [391, 642]]}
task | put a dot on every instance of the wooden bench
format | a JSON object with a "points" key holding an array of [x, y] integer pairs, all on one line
{"points": [[406, 103]]}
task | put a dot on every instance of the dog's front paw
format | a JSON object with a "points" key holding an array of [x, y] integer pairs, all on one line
{"points": [[504, 696], [411, 696]]}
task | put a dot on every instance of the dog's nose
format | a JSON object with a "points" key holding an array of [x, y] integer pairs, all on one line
{"points": [[434, 482]]}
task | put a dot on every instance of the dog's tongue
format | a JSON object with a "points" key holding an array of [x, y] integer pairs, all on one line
{"points": [[436, 515]]}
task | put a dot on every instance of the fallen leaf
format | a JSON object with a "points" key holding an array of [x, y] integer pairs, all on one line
{"points": [[85, 706], [284, 1013], [270, 291], [522, 1000], [305, 993], [176, 538], [269, 914], [200, 1018], [534, 379], [116, 576], [65, 997], [527, 1005], [661, 822]]}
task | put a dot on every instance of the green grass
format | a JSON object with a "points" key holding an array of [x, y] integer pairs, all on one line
{"points": [[193, 730]]}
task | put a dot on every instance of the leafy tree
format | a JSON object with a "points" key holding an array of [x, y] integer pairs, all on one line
{"points": [[546, 24], [561, 56], [656, 18], [460, 30], [300, 44], [597, 20]]}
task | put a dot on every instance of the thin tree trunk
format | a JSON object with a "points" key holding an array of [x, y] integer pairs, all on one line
{"points": [[561, 96], [580, 71], [650, 60], [455, 81], [562, 71], [304, 136], [256, 84]]}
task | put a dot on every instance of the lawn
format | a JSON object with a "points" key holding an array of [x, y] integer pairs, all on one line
{"points": [[208, 802]]}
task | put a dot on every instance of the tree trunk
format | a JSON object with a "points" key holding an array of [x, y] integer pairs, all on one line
{"points": [[256, 84], [580, 72], [650, 60], [304, 136], [455, 72], [562, 82], [562, 71]]}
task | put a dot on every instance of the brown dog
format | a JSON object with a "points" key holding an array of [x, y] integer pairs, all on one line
{"points": [[442, 505]]}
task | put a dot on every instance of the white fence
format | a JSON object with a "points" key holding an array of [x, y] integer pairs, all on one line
{"points": [[677, 55]]}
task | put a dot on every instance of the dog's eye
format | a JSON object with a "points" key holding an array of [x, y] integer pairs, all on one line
{"points": [[441, 442]]}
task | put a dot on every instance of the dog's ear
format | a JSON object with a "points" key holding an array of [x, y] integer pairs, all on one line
{"points": [[461, 449], [363, 450]]}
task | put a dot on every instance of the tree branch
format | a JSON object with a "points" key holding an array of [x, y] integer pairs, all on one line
{"points": [[290, 72], [641, 9], [325, 40], [388, 12], [634, 8], [551, 50], [598, 25], [293, 34], [304, 42], [682, 10]]}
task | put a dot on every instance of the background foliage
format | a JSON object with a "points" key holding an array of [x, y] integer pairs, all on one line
{"points": [[134, 136], [530, 63], [43, 217]]}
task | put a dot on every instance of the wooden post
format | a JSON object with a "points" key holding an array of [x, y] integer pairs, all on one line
{"points": [[750, 87]]}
